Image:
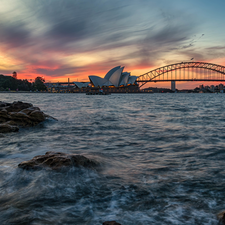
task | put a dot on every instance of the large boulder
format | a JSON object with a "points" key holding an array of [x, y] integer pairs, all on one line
{"points": [[58, 160], [19, 114]]}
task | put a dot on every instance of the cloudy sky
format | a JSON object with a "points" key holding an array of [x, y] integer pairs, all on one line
{"points": [[61, 39]]}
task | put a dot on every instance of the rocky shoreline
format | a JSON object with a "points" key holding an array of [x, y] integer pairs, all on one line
{"points": [[19, 114]]}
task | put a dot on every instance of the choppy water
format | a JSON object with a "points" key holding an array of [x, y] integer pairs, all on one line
{"points": [[162, 157]]}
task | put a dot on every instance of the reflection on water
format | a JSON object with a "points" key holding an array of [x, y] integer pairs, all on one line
{"points": [[162, 158]]}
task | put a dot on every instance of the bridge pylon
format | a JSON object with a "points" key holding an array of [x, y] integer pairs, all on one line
{"points": [[173, 85]]}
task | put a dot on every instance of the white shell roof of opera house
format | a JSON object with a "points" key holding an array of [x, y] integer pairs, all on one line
{"points": [[115, 77]]}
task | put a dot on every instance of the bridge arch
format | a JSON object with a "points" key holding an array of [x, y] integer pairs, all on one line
{"points": [[215, 72]]}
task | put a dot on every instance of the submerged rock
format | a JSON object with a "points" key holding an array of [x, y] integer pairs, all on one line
{"points": [[13, 115], [57, 160], [111, 223]]}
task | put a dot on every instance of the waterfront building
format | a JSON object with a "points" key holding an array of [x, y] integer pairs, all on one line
{"points": [[221, 86], [81, 84], [212, 88]]}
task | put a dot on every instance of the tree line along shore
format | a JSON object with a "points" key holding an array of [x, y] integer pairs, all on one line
{"points": [[9, 83]]}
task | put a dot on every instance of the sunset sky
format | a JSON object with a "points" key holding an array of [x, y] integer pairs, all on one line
{"points": [[61, 39]]}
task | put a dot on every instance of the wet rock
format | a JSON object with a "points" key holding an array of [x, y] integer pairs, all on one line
{"points": [[17, 106], [111, 223], [29, 110], [4, 104], [37, 115], [19, 114], [4, 113], [6, 128], [3, 120], [58, 160], [4, 116], [21, 119], [221, 218], [12, 122]]}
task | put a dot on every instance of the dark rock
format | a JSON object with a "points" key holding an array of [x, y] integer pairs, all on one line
{"points": [[29, 110], [12, 122], [4, 113], [37, 115], [111, 223], [20, 114], [21, 119], [3, 120], [6, 128], [4, 104], [17, 106], [57, 160]]}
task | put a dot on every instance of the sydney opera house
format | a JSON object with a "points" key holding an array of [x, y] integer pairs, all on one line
{"points": [[115, 81], [114, 78]]}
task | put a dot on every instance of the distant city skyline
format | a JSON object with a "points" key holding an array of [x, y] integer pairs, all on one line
{"points": [[61, 39]]}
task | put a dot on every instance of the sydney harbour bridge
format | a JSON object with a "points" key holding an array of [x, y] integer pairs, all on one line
{"points": [[184, 71]]}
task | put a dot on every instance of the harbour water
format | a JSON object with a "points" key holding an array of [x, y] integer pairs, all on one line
{"points": [[162, 160]]}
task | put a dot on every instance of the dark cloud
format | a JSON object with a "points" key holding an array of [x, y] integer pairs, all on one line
{"points": [[69, 30], [13, 33], [167, 38], [57, 72], [74, 20]]}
